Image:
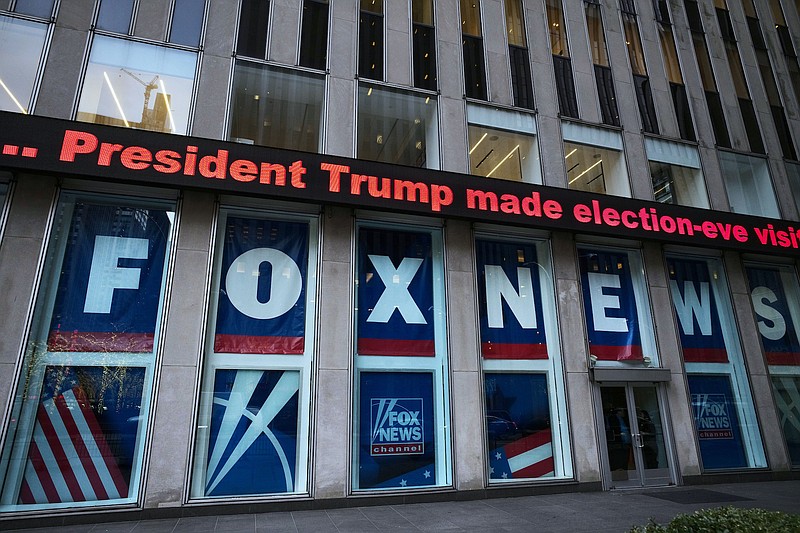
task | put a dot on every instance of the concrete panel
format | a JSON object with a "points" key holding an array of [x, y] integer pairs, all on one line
{"points": [[775, 448], [551, 150], [565, 259], [458, 247], [171, 442], [337, 234], [448, 22], [284, 37], [751, 338], [584, 438], [462, 327], [498, 69], [450, 71], [571, 325], [499, 78], [468, 430], [669, 351], [62, 73], [31, 203], [683, 435], [344, 39], [398, 57], [453, 127], [7, 373], [654, 266], [341, 120], [737, 280], [212, 90], [332, 448], [220, 37], [582, 68], [717, 194], [20, 258], [75, 15], [783, 192], [197, 211], [638, 167], [152, 20], [335, 308]]}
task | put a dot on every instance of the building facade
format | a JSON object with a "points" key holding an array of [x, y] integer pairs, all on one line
{"points": [[294, 253]]}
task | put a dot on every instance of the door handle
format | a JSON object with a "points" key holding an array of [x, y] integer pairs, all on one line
{"points": [[638, 440]]}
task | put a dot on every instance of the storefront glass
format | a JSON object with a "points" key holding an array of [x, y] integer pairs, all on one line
{"points": [[252, 433], [503, 144], [78, 425], [526, 422], [722, 403], [749, 185], [18, 70], [401, 413]]}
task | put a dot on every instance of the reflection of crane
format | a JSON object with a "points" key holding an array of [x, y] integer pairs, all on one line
{"points": [[148, 89]]}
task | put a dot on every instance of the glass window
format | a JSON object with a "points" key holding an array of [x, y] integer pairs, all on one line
{"points": [[617, 308], [526, 422], [594, 160], [424, 44], [36, 8], [77, 435], [276, 107], [793, 175], [604, 80], [370, 40], [749, 186], [314, 35], [138, 85], [471, 17], [115, 15], [724, 416], [253, 428], [562, 65], [187, 22], [597, 39], [676, 173], [397, 127], [253, 19], [18, 71], [558, 30], [502, 144], [521, 84], [472, 43], [401, 436]]}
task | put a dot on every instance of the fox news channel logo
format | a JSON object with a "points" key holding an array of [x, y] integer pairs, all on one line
{"points": [[712, 417], [396, 426]]}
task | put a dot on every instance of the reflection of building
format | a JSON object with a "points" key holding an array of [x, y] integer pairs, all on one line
{"points": [[353, 250]]}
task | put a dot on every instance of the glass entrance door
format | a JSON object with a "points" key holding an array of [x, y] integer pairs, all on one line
{"points": [[636, 454]]}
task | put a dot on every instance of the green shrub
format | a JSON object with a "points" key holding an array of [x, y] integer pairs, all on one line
{"points": [[726, 520]]}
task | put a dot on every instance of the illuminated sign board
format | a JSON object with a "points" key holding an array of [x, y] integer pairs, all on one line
{"points": [[135, 156]]}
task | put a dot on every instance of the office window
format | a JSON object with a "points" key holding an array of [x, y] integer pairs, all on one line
{"points": [[253, 19], [253, 428], [680, 100], [562, 64], [641, 81], [79, 416], [314, 35], [35, 8], [521, 83], [524, 393], [115, 15], [725, 421], [137, 85], [19, 71], [676, 173], [472, 42], [595, 161], [503, 144], [423, 61], [370, 40], [187, 22], [401, 410], [793, 175], [602, 68], [276, 107], [397, 127], [748, 184]]}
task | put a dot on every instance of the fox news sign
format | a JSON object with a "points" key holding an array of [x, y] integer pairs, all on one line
{"points": [[396, 426]]}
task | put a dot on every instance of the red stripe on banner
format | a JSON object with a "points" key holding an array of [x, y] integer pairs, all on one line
{"points": [[783, 358], [528, 443], [616, 353], [100, 440], [88, 341], [705, 355], [80, 448], [258, 344], [50, 490], [496, 350], [543, 467], [396, 347], [62, 461], [25, 494]]}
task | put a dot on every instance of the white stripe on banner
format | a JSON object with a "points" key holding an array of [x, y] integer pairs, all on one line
{"points": [[74, 461], [531, 457]]}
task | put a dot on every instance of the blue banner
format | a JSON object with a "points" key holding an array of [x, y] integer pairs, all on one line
{"points": [[84, 438], [510, 301], [396, 430], [610, 304], [775, 322], [702, 340], [518, 426], [110, 285], [395, 293], [253, 444], [716, 422], [261, 305]]}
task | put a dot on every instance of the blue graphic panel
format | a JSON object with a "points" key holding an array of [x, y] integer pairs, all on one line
{"points": [[108, 292], [395, 293], [253, 444], [607, 283], [778, 333], [716, 421], [396, 430], [510, 269], [261, 306]]}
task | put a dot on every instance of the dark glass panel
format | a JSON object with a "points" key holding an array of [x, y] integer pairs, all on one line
{"points": [[314, 36], [187, 22], [424, 60], [253, 19], [370, 48], [606, 95], [718, 119], [474, 68], [644, 99], [682, 111], [521, 77], [751, 125], [565, 87]]}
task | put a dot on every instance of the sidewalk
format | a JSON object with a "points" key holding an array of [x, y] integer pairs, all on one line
{"points": [[575, 512]]}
